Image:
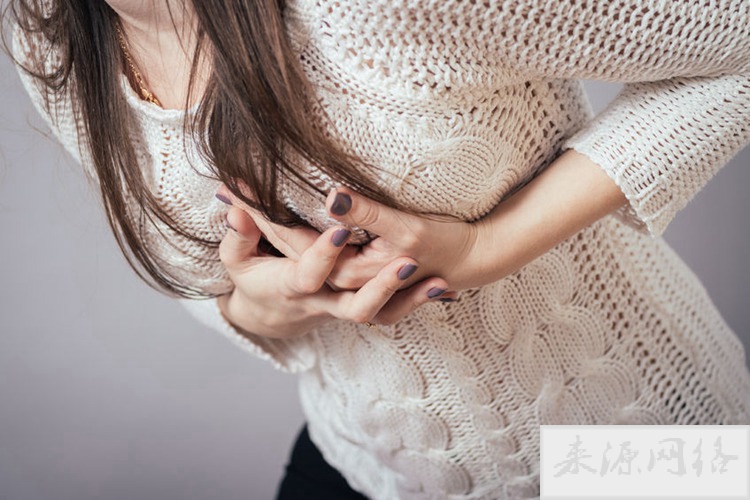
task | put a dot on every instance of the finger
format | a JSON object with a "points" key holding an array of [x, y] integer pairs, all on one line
{"points": [[241, 241], [400, 305], [351, 208], [407, 301], [291, 241], [363, 305], [357, 265], [316, 262]]}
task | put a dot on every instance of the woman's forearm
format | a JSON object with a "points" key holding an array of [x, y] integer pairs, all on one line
{"points": [[570, 194]]}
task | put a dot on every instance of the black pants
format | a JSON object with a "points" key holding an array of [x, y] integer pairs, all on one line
{"points": [[309, 477]]}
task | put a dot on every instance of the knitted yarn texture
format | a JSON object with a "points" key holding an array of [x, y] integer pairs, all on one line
{"points": [[462, 103]]}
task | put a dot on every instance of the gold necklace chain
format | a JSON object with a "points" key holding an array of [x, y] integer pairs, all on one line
{"points": [[144, 93]]}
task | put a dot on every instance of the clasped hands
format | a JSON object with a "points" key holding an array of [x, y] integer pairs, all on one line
{"points": [[413, 260]]}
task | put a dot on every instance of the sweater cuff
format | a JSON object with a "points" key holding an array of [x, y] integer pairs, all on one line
{"points": [[288, 355], [662, 141]]}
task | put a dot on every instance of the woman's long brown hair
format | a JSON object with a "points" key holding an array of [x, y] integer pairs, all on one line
{"points": [[253, 121]]}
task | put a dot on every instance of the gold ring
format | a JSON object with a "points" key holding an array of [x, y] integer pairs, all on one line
{"points": [[369, 325]]}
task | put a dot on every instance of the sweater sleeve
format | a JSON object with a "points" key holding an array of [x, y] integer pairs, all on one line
{"points": [[684, 111]]}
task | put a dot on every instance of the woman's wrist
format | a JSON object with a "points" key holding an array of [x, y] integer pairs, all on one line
{"points": [[223, 303], [228, 307], [266, 322], [569, 195]]}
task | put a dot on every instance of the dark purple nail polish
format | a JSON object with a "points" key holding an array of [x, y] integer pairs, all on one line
{"points": [[339, 237], [435, 292], [406, 271], [447, 299], [342, 203], [223, 199]]}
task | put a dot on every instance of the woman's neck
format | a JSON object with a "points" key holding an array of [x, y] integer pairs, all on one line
{"points": [[161, 40]]}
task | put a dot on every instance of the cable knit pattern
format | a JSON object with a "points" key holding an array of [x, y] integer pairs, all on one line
{"points": [[462, 103]]}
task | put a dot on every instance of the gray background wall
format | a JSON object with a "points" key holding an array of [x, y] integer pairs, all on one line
{"points": [[109, 390]]}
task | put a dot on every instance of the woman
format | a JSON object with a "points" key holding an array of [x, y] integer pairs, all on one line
{"points": [[456, 145]]}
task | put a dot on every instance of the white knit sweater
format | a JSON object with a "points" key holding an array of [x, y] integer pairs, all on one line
{"points": [[463, 102]]}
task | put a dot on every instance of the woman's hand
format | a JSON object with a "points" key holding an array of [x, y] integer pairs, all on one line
{"points": [[282, 297], [443, 247]]}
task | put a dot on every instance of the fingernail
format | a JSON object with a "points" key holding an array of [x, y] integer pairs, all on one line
{"points": [[435, 292], [406, 271], [342, 203], [447, 299], [339, 237], [223, 199], [227, 224]]}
